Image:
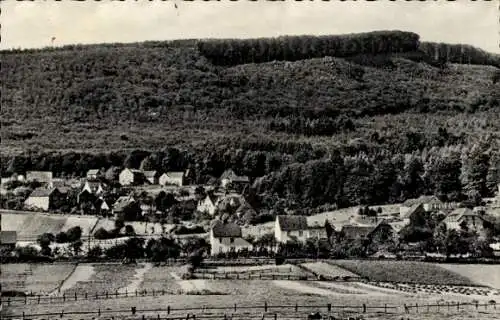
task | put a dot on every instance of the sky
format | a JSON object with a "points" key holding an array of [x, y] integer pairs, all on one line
{"points": [[34, 24]]}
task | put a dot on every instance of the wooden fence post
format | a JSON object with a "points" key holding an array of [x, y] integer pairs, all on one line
{"points": [[86, 296], [38, 299], [64, 296], [136, 292], [364, 308], [385, 308], [265, 305], [99, 312], [75, 296], [107, 295], [416, 307], [296, 307], [275, 316], [168, 309], [25, 299], [329, 307], [458, 305], [116, 293], [235, 307], [23, 315], [8, 301], [476, 305]]}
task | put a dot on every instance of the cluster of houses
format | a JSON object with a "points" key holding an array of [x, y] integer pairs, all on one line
{"points": [[227, 237], [52, 192]]}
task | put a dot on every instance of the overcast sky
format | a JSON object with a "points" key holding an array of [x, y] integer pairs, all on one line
{"points": [[33, 24]]}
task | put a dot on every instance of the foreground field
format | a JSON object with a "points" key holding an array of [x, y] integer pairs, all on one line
{"points": [[404, 272], [156, 288]]}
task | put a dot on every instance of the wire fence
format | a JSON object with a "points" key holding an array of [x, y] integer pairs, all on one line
{"points": [[265, 311]]}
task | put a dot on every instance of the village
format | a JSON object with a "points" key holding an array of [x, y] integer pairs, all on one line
{"points": [[151, 204]]}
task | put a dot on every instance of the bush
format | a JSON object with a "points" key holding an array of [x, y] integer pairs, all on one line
{"points": [[95, 252], [62, 237], [186, 230], [102, 234], [74, 234], [129, 230]]}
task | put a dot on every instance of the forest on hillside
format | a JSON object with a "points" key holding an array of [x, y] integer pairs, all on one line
{"points": [[355, 119]]}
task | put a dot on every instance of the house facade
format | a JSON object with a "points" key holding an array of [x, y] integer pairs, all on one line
{"points": [[429, 204], [208, 204], [288, 228], [92, 174], [227, 237], [172, 178], [44, 199], [465, 217], [131, 177]]}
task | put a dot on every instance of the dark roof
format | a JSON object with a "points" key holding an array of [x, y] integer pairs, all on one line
{"points": [[292, 223], [423, 200], [414, 208], [42, 192], [457, 214], [353, 232], [8, 237], [225, 230]]}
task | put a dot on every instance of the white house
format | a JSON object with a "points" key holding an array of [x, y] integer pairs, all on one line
{"points": [[92, 174], [208, 204], [467, 217], [227, 237], [429, 203], [172, 178], [43, 199], [131, 177], [287, 228]]}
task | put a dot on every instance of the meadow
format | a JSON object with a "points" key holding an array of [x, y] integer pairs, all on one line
{"points": [[159, 287]]}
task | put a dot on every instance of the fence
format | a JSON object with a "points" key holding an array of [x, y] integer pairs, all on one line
{"points": [[265, 311]]}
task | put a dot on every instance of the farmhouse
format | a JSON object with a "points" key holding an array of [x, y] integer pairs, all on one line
{"points": [[208, 204], [44, 177], [380, 232], [227, 237], [429, 203], [172, 178], [44, 199], [92, 174], [230, 178], [8, 239], [131, 177], [467, 218], [287, 228], [152, 176]]}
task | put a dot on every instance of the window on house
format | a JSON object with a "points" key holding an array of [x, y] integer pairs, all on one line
{"points": [[231, 240], [301, 233]]}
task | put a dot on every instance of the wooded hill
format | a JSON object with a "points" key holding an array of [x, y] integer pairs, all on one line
{"points": [[256, 105]]}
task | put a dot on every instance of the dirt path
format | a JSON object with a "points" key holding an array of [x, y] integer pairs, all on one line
{"points": [[138, 278], [189, 285], [81, 273]]}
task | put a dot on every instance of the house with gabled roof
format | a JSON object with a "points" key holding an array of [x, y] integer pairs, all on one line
{"points": [[152, 176], [172, 178], [229, 177], [381, 232], [92, 174], [226, 237], [208, 204], [288, 228], [44, 199], [131, 177], [429, 203], [465, 217]]}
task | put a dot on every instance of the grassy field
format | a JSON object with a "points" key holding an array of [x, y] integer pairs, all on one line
{"points": [[38, 278], [328, 270], [172, 291], [404, 272], [486, 275]]}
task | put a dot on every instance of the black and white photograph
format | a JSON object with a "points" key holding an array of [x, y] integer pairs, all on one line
{"points": [[250, 160]]}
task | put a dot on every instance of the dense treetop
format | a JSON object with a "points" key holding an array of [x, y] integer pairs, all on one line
{"points": [[271, 108]]}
